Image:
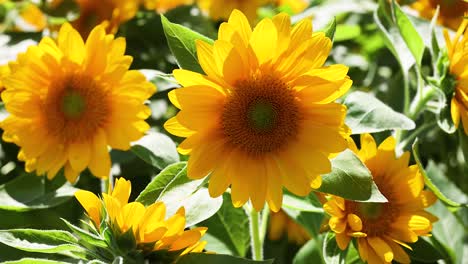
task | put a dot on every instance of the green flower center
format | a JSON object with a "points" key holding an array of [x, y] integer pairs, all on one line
{"points": [[262, 115], [370, 210], [73, 104]]}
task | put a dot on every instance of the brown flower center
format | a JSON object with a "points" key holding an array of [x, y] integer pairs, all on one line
{"points": [[261, 115], [75, 107]]}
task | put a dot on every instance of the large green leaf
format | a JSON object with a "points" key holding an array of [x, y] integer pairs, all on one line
{"points": [[201, 258], [424, 251], [311, 221], [29, 192], [331, 252], [156, 149], [228, 230], [351, 180], [41, 241], [410, 35], [175, 189], [181, 41], [367, 114]]}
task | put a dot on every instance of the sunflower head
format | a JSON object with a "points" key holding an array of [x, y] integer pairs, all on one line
{"points": [[450, 12], [281, 223], [4, 72], [69, 100], [109, 13], [457, 49], [295, 6], [148, 227], [381, 228], [264, 115]]}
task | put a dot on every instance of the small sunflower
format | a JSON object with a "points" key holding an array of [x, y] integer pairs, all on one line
{"points": [[220, 10], [381, 228], [450, 13], [458, 57], [110, 13], [68, 101], [162, 6], [150, 227], [264, 115], [281, 223]]}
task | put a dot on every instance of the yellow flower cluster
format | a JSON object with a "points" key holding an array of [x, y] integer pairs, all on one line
{"points": [[150, 228]]}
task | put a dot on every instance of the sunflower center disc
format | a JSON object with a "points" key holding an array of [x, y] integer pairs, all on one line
{"points": [[370, 210], [262, 116], [73, 104]]}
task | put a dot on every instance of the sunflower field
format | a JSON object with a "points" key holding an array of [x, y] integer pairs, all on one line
{"points": [[234, 131]]}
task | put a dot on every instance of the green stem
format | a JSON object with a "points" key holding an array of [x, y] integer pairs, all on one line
{"points": [[256, 242], [264, 223], [408, 140], [420, 101]]}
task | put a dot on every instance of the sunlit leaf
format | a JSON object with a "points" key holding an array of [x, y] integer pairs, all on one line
{"points": [[28, 192], [331, 252], [181, 41], [156, 149], [367, 114]]}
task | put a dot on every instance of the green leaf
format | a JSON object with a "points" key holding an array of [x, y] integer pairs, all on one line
{"points": [[154, 189], [33, 261], [85, 236], [228, 230], [448, 234], [438, 175], [175, 189], [330, 29], [181, 41], [424, 251], [201, 258], [393, 40], [351, 180], [309, 220], [331, 252], [156, 149], [409, 33], [309, 253], [28, 192], [429, 182], [308, 203], [41, 241], [367, 114]]}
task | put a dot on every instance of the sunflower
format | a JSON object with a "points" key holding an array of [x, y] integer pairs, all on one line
{"points": [[110, 13], [150, 227], [450, 13], [381, 228], [220, 10], [69, 100], [162, 6], [263, 116], [281, 223], [458, 56]]}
